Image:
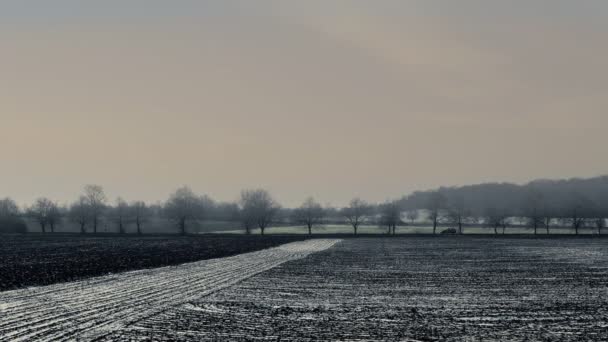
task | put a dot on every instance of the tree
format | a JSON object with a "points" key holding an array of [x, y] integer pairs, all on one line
{"points": [[41, 211], [54, 216], [10, 221], [309, 213], [390, 215], [121, 214], [96, 199], [247, 217], [435, 205], [140, 214], [8, 208], [259, 208], [577, 211], [496, 218], [79, 213], [548, 213], [412, 215], [356, 212], [532, 211], [600, 223], [458, 214], [183, 206]]}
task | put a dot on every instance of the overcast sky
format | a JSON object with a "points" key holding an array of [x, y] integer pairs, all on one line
{"points": [[333, 99]]}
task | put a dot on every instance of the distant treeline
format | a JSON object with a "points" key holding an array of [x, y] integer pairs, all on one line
{"points": [[541, 204]]}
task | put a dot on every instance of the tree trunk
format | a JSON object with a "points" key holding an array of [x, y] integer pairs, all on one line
{"points": [[460, 228], [495, 229], [434, 226], [394, 229], [262, 230], [82, 228], [355, 227], [95, 226], [182, 226], [138, 223], [43, 226], [52, 228], [309, 229]]}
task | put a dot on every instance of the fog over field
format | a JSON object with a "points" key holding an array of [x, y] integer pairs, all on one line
{"points": [[304, 170]]}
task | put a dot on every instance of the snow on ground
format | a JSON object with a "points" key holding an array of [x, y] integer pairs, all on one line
{"points": [[92, 308]]}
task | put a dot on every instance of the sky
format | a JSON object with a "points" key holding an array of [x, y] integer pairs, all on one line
{"points": [[332, 99]]}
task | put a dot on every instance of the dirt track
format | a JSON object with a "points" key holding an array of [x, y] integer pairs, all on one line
{"points": [[427, 289], [96, 307]]}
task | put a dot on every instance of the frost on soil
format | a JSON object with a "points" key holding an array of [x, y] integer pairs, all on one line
{"points": [[93, 308], [425, 289]]}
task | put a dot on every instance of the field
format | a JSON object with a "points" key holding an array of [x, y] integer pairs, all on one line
{"points": [[415, 229], [417, 288], [90, 309], [27, 260], [422, 288]]}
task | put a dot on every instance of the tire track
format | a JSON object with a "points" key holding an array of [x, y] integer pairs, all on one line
{"points": [[92, 308]]}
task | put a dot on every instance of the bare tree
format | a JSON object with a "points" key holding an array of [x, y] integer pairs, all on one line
{"points": [[356, 212], [532, 211], [458, 214], [40, 211], [140, 214], [309, 213], [412, 215], [436, 205], [258, 207], [247, 217], [183, 206], [577, 211], [390, 215], [80, 213], [496, 218], [548, 214], [54, 216], [96, 199], [600, 223], [121, 215]]}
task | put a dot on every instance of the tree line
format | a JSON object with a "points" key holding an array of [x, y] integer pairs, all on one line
{"points": [[575, 203]]}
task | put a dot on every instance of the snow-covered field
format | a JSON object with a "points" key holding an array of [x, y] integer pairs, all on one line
{"points": [[90, 309]]}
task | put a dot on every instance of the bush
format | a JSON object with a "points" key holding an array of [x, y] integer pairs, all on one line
{"points": [[12, 225]]}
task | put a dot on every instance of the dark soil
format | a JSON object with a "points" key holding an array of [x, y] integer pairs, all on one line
{"points": [[28, 260], [419, 288]]}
